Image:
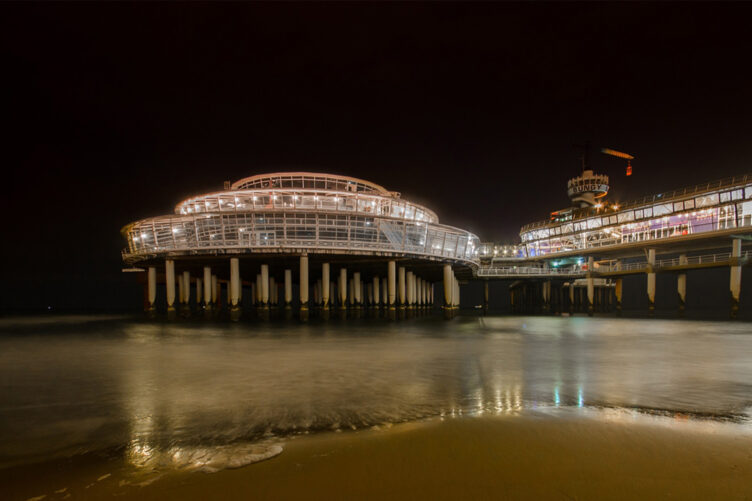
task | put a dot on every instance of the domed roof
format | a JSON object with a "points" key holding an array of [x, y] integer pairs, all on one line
{"points": [[309, 180]]}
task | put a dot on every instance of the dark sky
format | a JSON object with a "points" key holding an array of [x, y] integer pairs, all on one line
{"points": [[114, 112]]}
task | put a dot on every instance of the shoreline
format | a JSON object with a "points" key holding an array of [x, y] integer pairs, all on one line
{"points": [[613, 454]]}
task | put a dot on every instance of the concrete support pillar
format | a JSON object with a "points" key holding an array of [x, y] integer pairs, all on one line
{"points": [[409, 285], [187, 287], [288, 288], [181, 289], [369, 293], [343, 287], [265, 285], [273, 295], [571, 297], [234, 282], [358, 289], [681, 285], [303, 282], [456, 294], [170, 283], [199, 292], [376, 290], [651, 281], [735, 284], [259, 288], [402, 282], [448, 286], [617, 293], [151, 288], [207, 286], [391, 281], [351, 296], [325, 285], [215, 290], [590, 287]]}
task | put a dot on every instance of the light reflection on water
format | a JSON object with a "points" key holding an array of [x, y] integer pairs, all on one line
{"points": [[203, 394]]}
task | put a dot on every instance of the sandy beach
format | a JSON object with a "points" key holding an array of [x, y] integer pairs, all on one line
{"points": [[500, 457]]}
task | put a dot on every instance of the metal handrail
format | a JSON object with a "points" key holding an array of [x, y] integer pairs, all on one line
{"points": [[522, 271], [204, 233]]}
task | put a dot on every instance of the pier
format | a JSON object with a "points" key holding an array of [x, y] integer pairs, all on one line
{"points": [[309, 240]]}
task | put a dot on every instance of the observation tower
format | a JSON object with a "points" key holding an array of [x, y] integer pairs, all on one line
{"points": [[586, 188], [338, 239]]}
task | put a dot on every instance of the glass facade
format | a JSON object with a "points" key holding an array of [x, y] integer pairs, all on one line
{"points": [[668, 216], [300, 212]]}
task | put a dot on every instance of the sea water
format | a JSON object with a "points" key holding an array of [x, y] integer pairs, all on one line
{"points": [[207, 395]]}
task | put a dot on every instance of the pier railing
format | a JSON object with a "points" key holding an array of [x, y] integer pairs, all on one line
{"points": [[719, 259]]}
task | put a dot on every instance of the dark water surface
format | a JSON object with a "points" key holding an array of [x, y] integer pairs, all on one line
{"points": [[193, 393]]}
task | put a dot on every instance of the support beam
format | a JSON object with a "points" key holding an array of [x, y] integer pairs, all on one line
{"points": [[735, 284], [199, 292], [234, 283], [304, 282], [288, 288], [651, 281], [273, 294], [376, 290], [170, 283], [351, 296], [392, 283], [384, 292], [325, 289], [215, 290]]}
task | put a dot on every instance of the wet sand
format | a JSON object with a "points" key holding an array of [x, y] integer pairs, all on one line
{"points": [[501, 457]]}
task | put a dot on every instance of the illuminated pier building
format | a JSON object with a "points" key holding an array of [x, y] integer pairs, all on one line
{"points": [[349, 242], [596, 242], [339, 239]]}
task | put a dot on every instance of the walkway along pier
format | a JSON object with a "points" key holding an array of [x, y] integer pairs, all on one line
{"points": [[325, 241]]}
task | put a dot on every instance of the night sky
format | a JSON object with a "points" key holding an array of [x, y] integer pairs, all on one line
{"points": [[115, 112]]}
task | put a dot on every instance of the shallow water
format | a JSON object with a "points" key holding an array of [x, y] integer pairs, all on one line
{"points": [[211, 395]]}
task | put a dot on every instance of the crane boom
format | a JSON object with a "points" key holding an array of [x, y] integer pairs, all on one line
{"points": [[614, 153]]}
